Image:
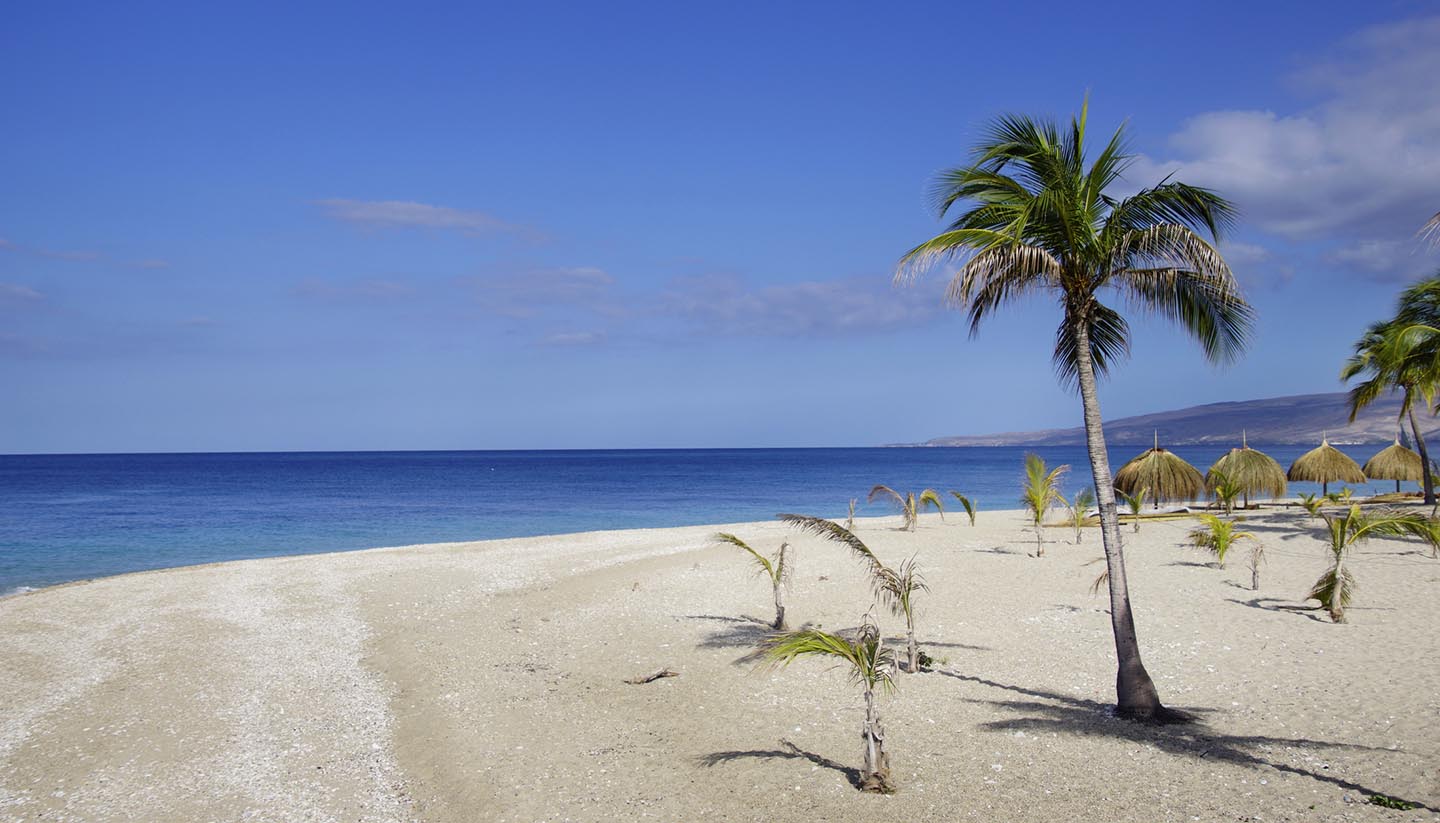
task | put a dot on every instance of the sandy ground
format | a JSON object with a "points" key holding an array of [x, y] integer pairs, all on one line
{"points": [[482, 681]]}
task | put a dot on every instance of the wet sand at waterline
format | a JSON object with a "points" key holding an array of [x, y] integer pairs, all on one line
{"points": [[483, 681]]}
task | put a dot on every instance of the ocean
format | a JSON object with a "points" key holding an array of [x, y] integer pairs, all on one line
{"points": [[72, 517]]}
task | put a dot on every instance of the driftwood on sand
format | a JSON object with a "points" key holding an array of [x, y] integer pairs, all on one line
{"points": [[652, 676]]}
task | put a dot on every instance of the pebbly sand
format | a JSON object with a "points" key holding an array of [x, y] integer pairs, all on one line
{"points": [[482, 681]]}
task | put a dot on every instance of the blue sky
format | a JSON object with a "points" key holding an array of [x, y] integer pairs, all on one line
{"points": [[646, 225]]}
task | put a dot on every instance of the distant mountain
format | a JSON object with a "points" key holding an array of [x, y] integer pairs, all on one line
{"points": [[1298, 419]]}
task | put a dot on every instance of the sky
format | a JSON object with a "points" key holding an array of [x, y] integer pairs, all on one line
{"points": [[648, 225]]}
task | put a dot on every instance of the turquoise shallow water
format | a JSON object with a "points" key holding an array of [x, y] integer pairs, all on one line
{"points": [[70, 517]]}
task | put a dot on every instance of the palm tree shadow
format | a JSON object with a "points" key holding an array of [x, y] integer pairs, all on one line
{"points": [[787, 751], [737, 633], [1063, 714], [1311, 612]]}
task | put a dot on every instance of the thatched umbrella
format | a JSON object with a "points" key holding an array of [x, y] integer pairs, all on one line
{"points": [[1163, 473], [1323, 464], [1395, 463], [1254, 471]]}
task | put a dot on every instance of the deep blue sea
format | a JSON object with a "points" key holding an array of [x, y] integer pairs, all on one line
{"points": [[70, 517]]}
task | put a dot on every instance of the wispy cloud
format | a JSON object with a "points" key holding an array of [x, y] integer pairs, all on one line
{"points": [[581, 338], [409, 214], [817, 308], [17, 294], [1362, 165], [527, 292], [363, 289]]}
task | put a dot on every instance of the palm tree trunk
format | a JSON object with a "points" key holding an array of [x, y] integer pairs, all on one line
{"points": [[779, 606], [911, 648], [1039, 540], [875, 776], [1426, 483], [1134, 690]]}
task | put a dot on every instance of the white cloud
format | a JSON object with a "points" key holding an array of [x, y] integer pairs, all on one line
{"points": [[1362, 165], [407, 214], [583, 338], [14, 293]]}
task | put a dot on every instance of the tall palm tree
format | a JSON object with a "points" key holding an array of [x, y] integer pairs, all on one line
{"points": [[1390, 359], [776, 570], [1038, 492], [871, 667], [1040, 218]]}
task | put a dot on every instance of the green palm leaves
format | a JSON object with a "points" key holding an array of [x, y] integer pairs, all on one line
{"points": [[1039, 219], [1391, 356], [776, 570], [895, 588], [1079, 511], [1038, 492], [1135, 503], [967, 504], [909, 504], [1218, 536], [1336, 587], [870, 666]]}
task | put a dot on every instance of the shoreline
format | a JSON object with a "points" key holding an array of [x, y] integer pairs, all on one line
{"points": [[465, 681]]}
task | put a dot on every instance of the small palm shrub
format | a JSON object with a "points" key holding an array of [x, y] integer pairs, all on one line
{"points": [[776, 570], [1218, 536], [895, 588], [909, 504], [1135, 503], [1079, 511], [1038, 492], [1336, 587], [869, 665], [967, 504]]}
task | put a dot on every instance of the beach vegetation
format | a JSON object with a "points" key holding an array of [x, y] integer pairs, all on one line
{"points": [[1312, 503], [895, 588], [870, 666], [1079, 511], [775, 569], [1224, 489], [1135, 503], [1257, 558], [1387, 359], [1041, 212], [966, 503], [1336, 587], [1218, 536], [1039, 491], [910, 504]]}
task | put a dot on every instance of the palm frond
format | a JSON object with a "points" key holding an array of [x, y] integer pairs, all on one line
{"points": [[886, 492], [929, 497], [761, 560], [967, 504], [868, 660], [837, 533]]}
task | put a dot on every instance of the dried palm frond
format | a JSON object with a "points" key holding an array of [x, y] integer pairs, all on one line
{"points": [[1165, 474], [1255, 472], [1325, 464], [1394, 462]]}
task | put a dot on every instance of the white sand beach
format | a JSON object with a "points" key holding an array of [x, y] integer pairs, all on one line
{"points": [[483, 681]]}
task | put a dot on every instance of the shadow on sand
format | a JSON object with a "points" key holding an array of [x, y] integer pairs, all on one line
{"points": [[787, 751], [1062, 714]]}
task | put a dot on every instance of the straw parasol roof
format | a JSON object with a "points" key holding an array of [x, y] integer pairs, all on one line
{"points": [[1163, 473], [1396, 463], [1255, 471], [1325, 464]]}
